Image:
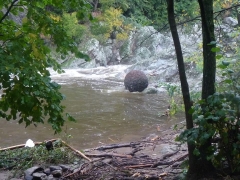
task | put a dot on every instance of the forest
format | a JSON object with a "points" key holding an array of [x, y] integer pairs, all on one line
{"points": [[33, 32]]}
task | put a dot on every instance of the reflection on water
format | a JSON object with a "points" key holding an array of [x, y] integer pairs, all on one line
{"points": [[105, 113]]}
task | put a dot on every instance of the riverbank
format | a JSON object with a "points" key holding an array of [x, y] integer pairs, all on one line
{"points": [[153, 157]]}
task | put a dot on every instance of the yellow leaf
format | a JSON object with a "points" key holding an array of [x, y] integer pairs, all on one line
{"points": [[24, 20], [18, 33], [36, 53], [55, 17], [31, 35]]}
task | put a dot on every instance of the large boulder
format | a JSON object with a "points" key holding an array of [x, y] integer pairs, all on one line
{"points": [[136, 80]]}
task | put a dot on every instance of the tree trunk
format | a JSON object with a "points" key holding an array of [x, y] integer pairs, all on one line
{"points": [[198, 166], [209, 57], [238, 16], [183, 78], [202, 166], [95, 5]]}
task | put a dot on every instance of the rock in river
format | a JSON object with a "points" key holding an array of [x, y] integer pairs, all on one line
{"points": [[136, 80]]}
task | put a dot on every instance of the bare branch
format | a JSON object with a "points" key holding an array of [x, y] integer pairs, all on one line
{"points": [[8, 10]]}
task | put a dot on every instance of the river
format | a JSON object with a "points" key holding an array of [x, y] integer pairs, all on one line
{"points": [[104, 110]]}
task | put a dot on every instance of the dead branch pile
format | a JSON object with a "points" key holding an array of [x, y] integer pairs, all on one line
{"points": [[133, 161]]}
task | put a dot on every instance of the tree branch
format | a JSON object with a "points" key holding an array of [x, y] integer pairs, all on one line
{"points": [[8, 11]]}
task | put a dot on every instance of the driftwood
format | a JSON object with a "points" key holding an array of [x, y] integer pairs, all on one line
{"points": [[113, 146], [139, 166], [23, 145], [109, 155], [170, 162], [75, 150], [108, 162]]}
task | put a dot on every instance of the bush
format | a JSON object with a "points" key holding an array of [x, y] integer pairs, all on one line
{"points": [[74, 30], [218, 119]]}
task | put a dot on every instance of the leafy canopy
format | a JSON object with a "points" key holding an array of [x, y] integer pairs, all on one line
{"points": [[112, 25], [27, 93]]}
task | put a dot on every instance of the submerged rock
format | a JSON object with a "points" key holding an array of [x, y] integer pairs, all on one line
{"points": [[135, 81]]}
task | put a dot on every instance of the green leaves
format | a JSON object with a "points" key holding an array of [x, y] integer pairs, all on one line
{"points": [[29, 96], [215, 49], [216, 118]]}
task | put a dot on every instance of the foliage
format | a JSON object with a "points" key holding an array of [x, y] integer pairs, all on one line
{"points": [[28, 94], [23, 158], [112, 25], [218, 118], [174, 93], [119, 4], [223, 4], [74, 30], [154, 12], [230, 83], [149, 13]]}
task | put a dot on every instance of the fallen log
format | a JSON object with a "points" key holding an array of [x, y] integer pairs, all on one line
{"points": [[23, 145], [113, 146], [75, 150], [169, 162], [109, 155], [139, 166], [169, 155]]}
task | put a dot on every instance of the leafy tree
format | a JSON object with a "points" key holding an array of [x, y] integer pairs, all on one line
{"points": [[73, 28], [112, 25], [118, 4], [154, 12], [28, 94], [151, 13]]}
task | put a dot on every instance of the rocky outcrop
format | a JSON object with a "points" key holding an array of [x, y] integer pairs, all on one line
{"points": [[136, 81], [153, 53]]}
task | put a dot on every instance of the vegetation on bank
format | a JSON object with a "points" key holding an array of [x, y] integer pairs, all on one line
{"points": [[212, 124], [18, 159]]}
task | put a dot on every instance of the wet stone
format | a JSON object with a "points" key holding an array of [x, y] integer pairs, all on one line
{"points": [[74, 167], [57, 173], [39, 175], [50, 177], [107, 161], [28, 177], [65, 168], [29, 172], [53, 168], [47, 171]]}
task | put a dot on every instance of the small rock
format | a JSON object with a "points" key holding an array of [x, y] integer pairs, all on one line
{"points": [[53, 168], [28, 177], [65, 168], [50, 177], [151, 91], [47, 171], [29, 172], [57, 173], [107, 161], [39, 175]]}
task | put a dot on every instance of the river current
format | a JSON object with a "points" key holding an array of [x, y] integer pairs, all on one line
{"points": [[104, 110]]}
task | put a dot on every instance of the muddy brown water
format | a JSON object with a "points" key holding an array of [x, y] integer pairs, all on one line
{"points": [[105, 113]]}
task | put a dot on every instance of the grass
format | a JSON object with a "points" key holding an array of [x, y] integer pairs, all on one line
{"points": [[23, 158]]}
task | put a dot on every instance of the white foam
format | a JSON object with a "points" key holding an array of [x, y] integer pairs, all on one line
{"points": [[93, 73]]}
